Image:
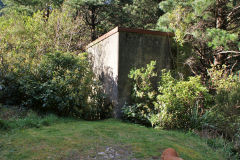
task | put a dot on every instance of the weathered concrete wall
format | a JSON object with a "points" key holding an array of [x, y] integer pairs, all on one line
{"points": [[118, 51], [105, 64], [137, 50]]}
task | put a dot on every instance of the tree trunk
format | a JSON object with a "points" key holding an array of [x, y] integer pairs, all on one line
{"points": [[93, 23], [221, 23]]}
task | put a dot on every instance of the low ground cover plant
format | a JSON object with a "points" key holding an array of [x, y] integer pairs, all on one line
{"points": [[16, 117]]}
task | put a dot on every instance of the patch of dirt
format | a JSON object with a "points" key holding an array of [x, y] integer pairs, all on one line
{"points": [[73, 155], [115, 153], [107, 153]]}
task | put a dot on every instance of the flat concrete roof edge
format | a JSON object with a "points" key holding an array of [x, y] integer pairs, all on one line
{"points": [[120, 29]]}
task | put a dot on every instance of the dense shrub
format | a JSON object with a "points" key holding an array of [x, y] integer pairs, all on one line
{"points": [[25, 39], [143, 95], [187, 104], [3, 125], [176, 103], [61, 83], [224, 116], [9, 89], [42, 67], [226, 147], [32, 35]]}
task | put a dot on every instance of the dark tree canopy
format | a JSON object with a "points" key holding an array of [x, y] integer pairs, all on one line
{"points": [[1, 4], [211, 27]]}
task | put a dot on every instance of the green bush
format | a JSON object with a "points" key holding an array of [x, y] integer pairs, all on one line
{"points": [[224, 116], [176, 103], [41, 67], [180, 103], [3, 125], [98, 106], [9, 89], [187, 104], [62, 83], [220, 144], [143, 95]]}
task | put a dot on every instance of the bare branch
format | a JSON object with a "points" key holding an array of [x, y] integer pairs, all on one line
{"points": [[86, 19], [227, 52], [230, 57], [236, 9], [233, 66]]}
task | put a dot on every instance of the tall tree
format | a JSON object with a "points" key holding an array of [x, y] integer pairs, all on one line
{"points": [[143, 13], [211, 27], [90, 10], [103, 15]]}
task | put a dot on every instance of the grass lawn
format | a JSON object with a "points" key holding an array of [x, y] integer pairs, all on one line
{"points": [[109, 139]]}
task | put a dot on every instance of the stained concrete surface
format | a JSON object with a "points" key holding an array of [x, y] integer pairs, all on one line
{"points": [[117, 52]]}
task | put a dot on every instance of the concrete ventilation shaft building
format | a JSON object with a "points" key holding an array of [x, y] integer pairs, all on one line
{"points": [[118, 51]]}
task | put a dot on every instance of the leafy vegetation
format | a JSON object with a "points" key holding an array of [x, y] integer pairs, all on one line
{"points": [[44, 68], [143, 97], [175, 104], [211, 27], [32, 120], [15, 118], [224, 115], [186, 104], [180, 104], [41, 69], [31, 7]]}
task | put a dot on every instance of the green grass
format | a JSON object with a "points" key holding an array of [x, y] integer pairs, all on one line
{"points": [[14, 117], [85, 140], [32, 120]]}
